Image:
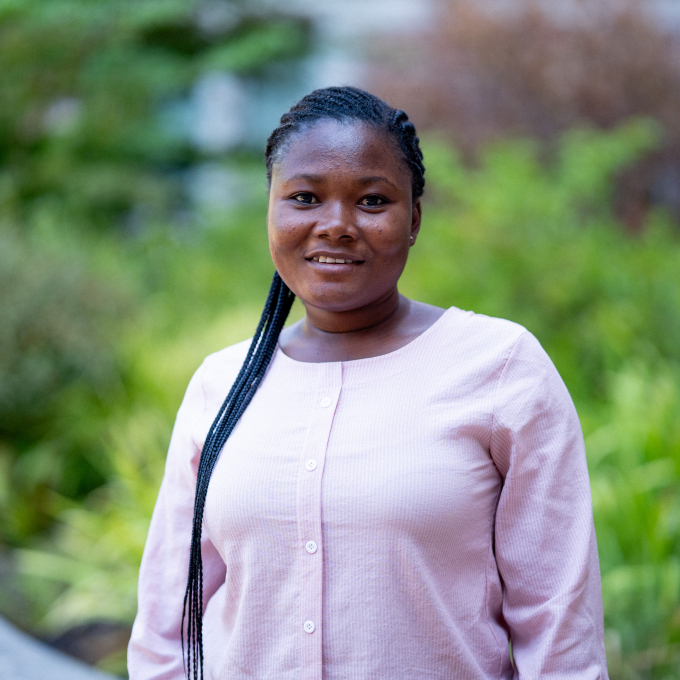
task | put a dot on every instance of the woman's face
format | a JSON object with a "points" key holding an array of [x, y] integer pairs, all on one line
{"points": [[341, 191]]}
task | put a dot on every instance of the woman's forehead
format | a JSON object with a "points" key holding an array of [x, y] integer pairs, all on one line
{"points": [[333, 145]]}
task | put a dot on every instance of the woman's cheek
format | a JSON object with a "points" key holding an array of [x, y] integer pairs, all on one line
{"points": [[283, 237]]}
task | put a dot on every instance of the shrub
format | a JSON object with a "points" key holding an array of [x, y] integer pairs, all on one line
{"points": [[58, 372]]}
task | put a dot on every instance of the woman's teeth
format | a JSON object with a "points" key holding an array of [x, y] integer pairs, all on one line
{"points": [[330, 260]]}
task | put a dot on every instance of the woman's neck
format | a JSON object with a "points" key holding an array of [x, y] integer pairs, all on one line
{"points": [[359, 334]]}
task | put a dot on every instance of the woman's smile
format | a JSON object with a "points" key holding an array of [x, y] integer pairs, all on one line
{"points": [[330, 260]]}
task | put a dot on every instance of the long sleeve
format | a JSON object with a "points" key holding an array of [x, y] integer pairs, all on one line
{"points": [[155, 651], [545, 544]]}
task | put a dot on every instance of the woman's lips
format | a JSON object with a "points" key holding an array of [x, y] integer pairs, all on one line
{"points": [[333, 260]]}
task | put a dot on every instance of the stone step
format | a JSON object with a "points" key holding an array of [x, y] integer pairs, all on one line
{"points": [[24, 658]]}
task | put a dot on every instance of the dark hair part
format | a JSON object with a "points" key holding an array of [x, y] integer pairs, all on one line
{"points": [[347, 104], [338, 103]]}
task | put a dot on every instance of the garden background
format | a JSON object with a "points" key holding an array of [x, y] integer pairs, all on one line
{"points": [[132, 245]]}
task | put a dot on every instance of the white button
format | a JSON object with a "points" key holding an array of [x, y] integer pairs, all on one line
{"points": [[326, 402], [310, 547], [311, 465], [309, 627]]}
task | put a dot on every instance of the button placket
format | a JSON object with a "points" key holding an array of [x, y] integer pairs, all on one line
{"points": [[309, 520]]}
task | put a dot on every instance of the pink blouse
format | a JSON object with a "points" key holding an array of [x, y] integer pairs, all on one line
{"points": [[401, 517]]}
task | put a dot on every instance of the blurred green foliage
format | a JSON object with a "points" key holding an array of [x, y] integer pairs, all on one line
{"points": [[57, 364], [518, 236], [91, 144], [87, 92]]}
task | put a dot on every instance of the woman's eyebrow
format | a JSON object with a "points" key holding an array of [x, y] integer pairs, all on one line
{"points": [[377, 178], [318, 179], [314, 179]]}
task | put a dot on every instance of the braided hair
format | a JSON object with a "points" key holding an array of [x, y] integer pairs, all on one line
{"points": [[349, 104], [344, 104]]}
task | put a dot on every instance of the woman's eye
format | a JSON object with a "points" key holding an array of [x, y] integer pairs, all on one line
{"points": [[372, 201], [304, 197]]}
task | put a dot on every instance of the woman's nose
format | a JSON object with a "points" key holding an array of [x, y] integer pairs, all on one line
{"points": [[336, 220]]}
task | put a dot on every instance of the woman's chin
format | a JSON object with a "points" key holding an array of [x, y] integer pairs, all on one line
{"points": [[335, 305], [336, 301]]}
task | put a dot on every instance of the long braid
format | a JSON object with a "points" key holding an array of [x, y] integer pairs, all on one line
{"points": [[277, 307], [345, 104]]}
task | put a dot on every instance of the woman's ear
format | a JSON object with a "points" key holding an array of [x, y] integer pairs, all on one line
{"points": [[416, 216]]}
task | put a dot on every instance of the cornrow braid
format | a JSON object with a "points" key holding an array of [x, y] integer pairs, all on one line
{"points": [[344, 104], [277, 307], [405, 131], [347, 104]]}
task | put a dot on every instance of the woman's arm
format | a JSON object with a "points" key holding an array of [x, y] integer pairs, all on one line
{"points": [[155, 651], [545, 544]]}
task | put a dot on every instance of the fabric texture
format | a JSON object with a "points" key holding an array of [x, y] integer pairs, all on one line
{"points": [[400, 517]]}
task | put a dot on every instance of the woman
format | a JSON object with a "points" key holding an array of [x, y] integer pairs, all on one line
{"points": [[406, 492]]}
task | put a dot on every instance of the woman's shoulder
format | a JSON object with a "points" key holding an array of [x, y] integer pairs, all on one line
{"points": [[491, 343], [477, 344], [221, 368], [233, 354], [459, 326]]}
